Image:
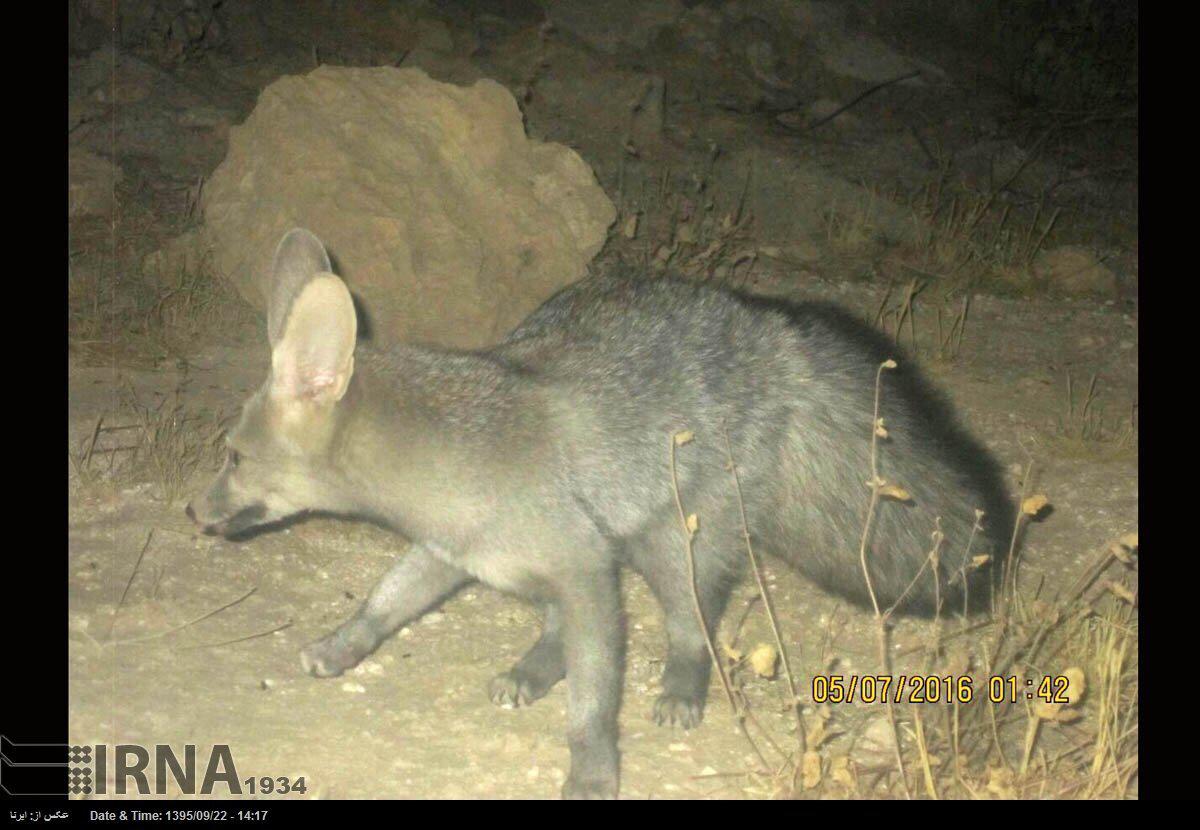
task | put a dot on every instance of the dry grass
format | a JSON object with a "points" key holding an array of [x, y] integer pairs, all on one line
{"points": [[978, 238], [1086, 429], [1037, 700], [120, 319], [146, 319], [690, 232], [175, 444], [961, 240], [695, 235], [853, 227], [164, 443]]}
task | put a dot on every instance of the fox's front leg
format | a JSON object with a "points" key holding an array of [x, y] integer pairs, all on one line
{"points": [[414, 585]]}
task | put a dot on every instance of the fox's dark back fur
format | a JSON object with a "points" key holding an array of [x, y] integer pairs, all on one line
{"points": [[793, 386]]}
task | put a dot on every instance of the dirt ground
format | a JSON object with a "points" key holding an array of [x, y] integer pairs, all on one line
{"points": [[180, 638]]}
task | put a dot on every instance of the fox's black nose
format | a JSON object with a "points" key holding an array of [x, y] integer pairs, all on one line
{"points": [[190, 513]]}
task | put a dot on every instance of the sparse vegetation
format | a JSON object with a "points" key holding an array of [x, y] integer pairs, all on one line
{"points": [[688, 232], [962, 239], [150, 318], [163, 443], [1084, 427], [1039, 700]]}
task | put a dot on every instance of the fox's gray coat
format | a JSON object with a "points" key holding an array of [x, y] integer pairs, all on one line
{"points": [[542, 466]]}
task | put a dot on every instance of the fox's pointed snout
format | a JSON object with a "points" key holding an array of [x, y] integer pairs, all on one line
{"points": [[206, 528], [232, 526]]}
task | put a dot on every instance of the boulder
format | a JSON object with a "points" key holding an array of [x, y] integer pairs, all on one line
{"points": [[445, 220]]}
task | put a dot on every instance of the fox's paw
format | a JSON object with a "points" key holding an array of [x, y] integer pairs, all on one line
{"points": [[675, 710], [327, 658], [596, 789], [516, 688]]}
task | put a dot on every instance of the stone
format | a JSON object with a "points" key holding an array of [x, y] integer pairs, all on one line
{"points": [[447, 222]]}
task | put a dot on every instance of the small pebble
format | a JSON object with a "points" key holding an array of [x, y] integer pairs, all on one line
{"points": [[369, 668]]}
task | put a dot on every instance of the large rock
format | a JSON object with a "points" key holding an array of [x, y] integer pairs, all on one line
{"points": [[447, 222]]}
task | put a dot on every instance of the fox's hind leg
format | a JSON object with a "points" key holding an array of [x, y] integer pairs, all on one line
{"points": [[536, 672], [414, 585], [660, 558]]}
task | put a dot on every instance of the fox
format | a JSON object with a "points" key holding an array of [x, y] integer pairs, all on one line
{"points": [[543, 466]]}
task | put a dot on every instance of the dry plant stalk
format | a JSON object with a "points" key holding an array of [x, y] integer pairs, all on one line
{"points": [[768, 606], [877, 485], [691, 526]]}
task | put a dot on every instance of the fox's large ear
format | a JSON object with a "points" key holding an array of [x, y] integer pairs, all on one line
{"points": [[313, 358], [299, 257]]}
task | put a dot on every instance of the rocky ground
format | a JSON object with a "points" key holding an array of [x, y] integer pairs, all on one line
{"points": [[717, 131]]}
